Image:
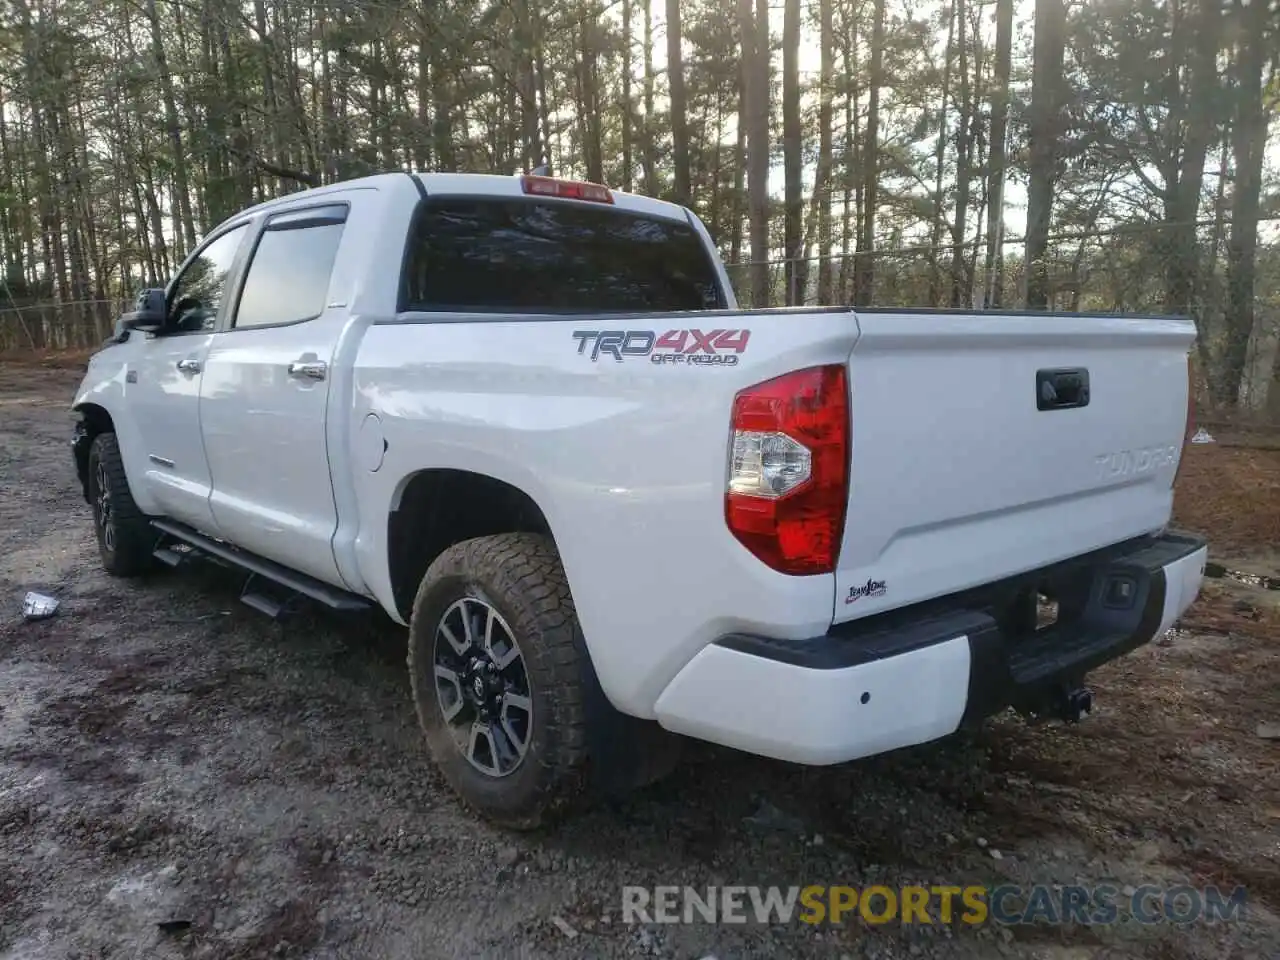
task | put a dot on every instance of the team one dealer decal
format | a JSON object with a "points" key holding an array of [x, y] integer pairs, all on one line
{"points": [[712, 348]]}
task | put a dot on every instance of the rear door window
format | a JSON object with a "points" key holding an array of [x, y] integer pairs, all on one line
{"points": [[554, 257], [288, 278]]}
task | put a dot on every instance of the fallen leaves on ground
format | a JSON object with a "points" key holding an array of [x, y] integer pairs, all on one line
{"points": [[1232, 495]]}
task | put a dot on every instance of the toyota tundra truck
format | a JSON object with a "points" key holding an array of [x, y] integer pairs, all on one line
{"points": [[525, 417]]}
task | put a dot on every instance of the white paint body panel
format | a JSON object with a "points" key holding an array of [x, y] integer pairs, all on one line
{"points": [[1182, 585], [281, 506], [818, 717], [627, 461], [156, 409], [166, 405], [956, 479]]}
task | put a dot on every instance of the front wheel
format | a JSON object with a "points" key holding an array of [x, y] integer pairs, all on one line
{"points": [[125, 537], [497, 667]]}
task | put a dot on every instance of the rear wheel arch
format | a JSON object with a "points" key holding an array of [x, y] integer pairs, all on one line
{"points": [[438, 508]]}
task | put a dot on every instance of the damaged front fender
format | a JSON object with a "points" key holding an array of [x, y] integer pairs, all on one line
{"points": [[81, 440]]}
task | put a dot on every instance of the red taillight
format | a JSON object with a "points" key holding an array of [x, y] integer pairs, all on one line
{"points": [[567, 189], [1189, 428], [789, 469]]}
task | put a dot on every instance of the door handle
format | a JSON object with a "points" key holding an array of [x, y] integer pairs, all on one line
{"points": [[308, 369], [1062, 389], [189, 365]]}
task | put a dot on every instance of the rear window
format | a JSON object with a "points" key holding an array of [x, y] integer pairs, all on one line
{"points": [[535, 256]]}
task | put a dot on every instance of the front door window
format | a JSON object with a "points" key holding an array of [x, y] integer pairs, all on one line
{"points": [[197, 294]]}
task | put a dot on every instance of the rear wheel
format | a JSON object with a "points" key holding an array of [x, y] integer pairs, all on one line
{"points": [[498, 671], [125, 536]]}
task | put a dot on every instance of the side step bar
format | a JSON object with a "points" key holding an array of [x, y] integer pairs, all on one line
{"points": [[332, 597], [168, 556]]}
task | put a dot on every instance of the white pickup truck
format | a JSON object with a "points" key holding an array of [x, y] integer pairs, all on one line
{"points": [[525, 417]]}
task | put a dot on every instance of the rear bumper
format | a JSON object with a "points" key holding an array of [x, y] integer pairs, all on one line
{"points": [[913, 675]]}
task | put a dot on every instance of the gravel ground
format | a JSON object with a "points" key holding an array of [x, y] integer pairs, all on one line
{"points": [[180, 777]]}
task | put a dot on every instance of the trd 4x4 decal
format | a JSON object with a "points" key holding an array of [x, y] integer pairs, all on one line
{"points": [[712, 347]]}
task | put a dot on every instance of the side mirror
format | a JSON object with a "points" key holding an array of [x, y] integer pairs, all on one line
{"points": [[148, 315]]}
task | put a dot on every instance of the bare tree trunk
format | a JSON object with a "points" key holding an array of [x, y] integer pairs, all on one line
{"points": [[442, 114], [648, 155], [940, 167], [422, 139], [793, 228], [964, 151], [1210, 313], [679, 119], [714, 207], [181, 183], [755, 55], [1046, 95], [852, 159], [1182, 278], [540, 83], [156, 271], [740, 155], [1248, 142], [270, 103], [12, 263], [527, 86], [993, 287], [864, 273], [28, 224], [822, 198], [589, 112], [628, 116]]}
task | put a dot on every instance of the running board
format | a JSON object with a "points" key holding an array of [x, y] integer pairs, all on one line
{"points": [[331, 597], [263, 604]]}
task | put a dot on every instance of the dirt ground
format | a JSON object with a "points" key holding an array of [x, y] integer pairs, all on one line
{"points": [[181, 777]]}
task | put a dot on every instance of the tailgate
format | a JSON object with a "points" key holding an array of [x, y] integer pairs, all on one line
{"points": [[974, 459]]}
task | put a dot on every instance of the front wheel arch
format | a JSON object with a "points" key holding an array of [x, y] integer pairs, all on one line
{"points": [[94, 420]]}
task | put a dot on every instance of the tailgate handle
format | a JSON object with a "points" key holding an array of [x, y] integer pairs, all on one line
{"points": [[1064, 389]]}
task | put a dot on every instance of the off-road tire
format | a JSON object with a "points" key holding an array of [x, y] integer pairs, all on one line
{"points": [[520, 576], [127, 552]]}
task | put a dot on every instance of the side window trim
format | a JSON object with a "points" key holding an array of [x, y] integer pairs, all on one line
{"points": [[406, 257], [233, 274], [301, 218], [321, 213]]}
